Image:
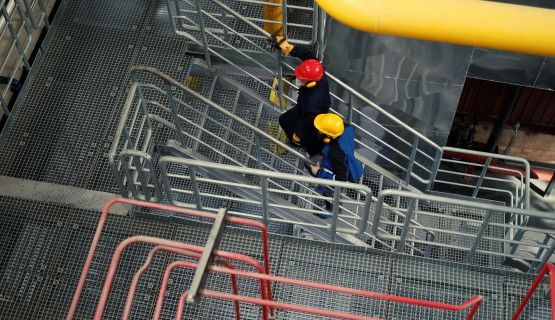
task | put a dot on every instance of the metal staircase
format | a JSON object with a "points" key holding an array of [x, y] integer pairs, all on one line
{"points": [[383, 141], [221, 113], [206, 138]]}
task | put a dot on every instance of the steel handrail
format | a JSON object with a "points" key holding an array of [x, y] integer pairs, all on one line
{"points": [[472, 303], [487, 207], [410, 173], [285, 176], [209, 102], [332, 77]]}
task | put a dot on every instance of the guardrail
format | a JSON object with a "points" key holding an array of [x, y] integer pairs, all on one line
{"points": [[464, 231], [389, 142], [20, 23]]}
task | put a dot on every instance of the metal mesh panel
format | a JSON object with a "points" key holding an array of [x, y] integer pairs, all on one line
{"points": [[308, 261], [443, 283]]}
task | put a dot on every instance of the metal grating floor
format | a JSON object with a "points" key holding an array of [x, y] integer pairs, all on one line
{"points": [[61, 132], [43, 247], [66, 117]]}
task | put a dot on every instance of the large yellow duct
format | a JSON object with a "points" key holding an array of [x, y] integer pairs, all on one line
{"points": [[467, 22]]}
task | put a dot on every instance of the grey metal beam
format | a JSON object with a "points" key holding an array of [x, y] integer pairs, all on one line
{"points": [[214, 238]]}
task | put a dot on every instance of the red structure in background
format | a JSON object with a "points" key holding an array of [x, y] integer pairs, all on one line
{"points": [[262, 275]]}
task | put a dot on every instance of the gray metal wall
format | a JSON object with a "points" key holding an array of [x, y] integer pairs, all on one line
{"points": [[420, 81]]}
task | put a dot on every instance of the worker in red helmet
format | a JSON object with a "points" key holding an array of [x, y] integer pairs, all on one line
{"points": [[314, 98]]}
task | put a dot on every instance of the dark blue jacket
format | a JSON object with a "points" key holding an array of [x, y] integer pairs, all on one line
{"points": [[311, 101], [339, 158]]}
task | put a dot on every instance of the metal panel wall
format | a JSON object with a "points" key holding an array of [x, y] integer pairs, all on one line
{"points": [[419, 82]]}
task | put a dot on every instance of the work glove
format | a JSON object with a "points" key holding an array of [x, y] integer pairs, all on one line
{"points": [[282, 44]]}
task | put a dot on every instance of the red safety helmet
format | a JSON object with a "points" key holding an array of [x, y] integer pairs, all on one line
{"points": [[309, 70]]}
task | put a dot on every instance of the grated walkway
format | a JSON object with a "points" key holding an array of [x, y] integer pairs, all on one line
{"points": [[43, 248]]}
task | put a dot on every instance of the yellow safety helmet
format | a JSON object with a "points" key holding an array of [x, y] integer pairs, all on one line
{"points": [[329, 124]]}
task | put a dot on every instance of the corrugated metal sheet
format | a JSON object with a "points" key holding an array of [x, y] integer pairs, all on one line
{"points": [[534, 108]]}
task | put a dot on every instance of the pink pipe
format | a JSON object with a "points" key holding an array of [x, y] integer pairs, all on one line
{"points": [[200, 214], [148, 262], [157, 241], [279, 305], [363, 293], [547, 268], [164, 286], [475, 301], [179, 312]]}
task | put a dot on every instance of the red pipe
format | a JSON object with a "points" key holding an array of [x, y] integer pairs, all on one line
{"points": [[148, 262], [201, 214], [368, 294], [547, 268], [475, 301], [151, 240], [164, 286], [276, 304]]}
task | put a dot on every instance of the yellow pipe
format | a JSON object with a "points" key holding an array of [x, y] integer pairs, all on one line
{"points": [[273, 13], [477, 23]]}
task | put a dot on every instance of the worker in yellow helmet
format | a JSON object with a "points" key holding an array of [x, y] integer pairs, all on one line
{"points": [[338, 160]]}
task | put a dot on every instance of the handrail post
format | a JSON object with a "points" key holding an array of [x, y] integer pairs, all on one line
{"points": [[194, 184], [435, 169], [350, 108], [413, 204], [258, 150], [282, 105], [264, 188], [481, 178], [175, 115], [335, 212], [203, 32], [377, 214], [483, 226], [166, 181], [412, 159]]}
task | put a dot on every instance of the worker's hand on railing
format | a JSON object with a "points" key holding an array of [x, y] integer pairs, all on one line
{"points": [[282, 44]]}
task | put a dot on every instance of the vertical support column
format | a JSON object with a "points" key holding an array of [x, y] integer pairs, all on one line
{"points": [[513, 93], [212, 244]]}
